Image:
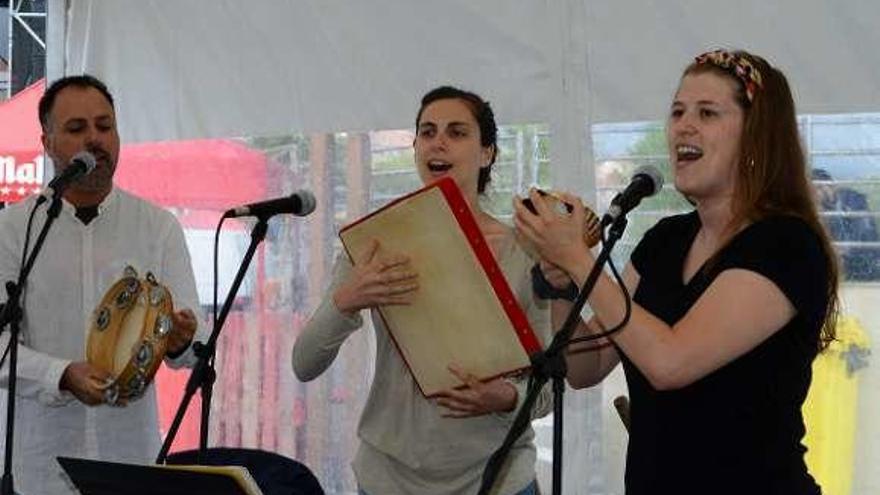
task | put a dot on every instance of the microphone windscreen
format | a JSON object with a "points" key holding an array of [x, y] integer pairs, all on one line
{"points": [[307, 202], [654, 174], [87, 159]]}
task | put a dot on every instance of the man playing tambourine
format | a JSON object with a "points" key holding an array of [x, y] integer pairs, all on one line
{"points": [[101, 230]]}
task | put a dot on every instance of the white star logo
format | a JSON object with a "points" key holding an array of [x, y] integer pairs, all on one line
{"points": [[4, 190], [21, 191]]}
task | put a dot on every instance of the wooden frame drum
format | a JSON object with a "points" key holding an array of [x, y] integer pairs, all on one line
{"points": [[128, 335]]}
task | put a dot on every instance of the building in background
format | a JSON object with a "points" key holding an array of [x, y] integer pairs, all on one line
{"points": [[4, 48], [22, 45]]}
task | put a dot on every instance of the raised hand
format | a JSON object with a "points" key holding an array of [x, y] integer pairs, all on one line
{"points": [[557, 238]]}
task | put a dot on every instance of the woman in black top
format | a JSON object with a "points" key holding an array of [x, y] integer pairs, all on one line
{"points": [[732, 301]]}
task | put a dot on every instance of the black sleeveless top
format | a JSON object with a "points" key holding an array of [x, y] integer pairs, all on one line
{"points": [[739, 429]]}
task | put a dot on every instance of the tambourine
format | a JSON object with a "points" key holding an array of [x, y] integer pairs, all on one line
{"points": [[128, 335], [593, 232]]}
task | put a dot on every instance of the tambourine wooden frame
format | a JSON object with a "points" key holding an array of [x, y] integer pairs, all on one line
{"points": [[128, 335]]}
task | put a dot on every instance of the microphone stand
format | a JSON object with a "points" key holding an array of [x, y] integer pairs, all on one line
{"points": [[203, 374], [12, 314], [550, 364]]}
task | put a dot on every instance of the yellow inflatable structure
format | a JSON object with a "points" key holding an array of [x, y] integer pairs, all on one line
{"points": [[830, 411]]}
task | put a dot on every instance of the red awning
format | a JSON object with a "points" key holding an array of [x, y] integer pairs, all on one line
{"points": [[207, 174], [19, 125], [21, 157]]}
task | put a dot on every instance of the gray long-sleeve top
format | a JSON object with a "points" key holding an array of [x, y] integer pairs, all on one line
{"points": [[406, 445]]}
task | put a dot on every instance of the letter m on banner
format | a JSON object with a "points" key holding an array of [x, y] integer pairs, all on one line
{"points": [[21, 174]]}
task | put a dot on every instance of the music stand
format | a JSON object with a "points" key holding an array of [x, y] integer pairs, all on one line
{"points": [[112, 478]]}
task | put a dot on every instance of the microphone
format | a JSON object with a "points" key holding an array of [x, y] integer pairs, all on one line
{"points": [[645, 182], [300, 203], [80, 165]]}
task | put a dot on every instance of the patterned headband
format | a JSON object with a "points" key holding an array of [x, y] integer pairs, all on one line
{"points": [[738, 65]]}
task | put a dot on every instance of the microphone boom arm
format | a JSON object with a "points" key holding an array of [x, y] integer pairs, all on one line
{"points": [[202, 375], [550, 364]]}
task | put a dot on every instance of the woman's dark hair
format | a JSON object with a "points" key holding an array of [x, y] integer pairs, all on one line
{"points": [[482, 112]]}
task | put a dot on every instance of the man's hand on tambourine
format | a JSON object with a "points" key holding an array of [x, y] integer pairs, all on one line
{"points": [[477, 398], [85, 382], [182, 332], [377, 280]]}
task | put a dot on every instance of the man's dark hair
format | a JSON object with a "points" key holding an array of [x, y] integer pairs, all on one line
{"points": [[483, 114], [83, 81]]}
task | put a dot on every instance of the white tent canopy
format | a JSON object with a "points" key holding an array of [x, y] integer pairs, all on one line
{"points": [[218, 68], [187, 69], [199, 68]]}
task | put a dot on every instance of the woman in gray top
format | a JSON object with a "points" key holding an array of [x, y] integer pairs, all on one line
{"points": [[410, 444]]}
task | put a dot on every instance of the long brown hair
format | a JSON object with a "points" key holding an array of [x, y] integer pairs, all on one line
{"points": [[772, 170]]}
